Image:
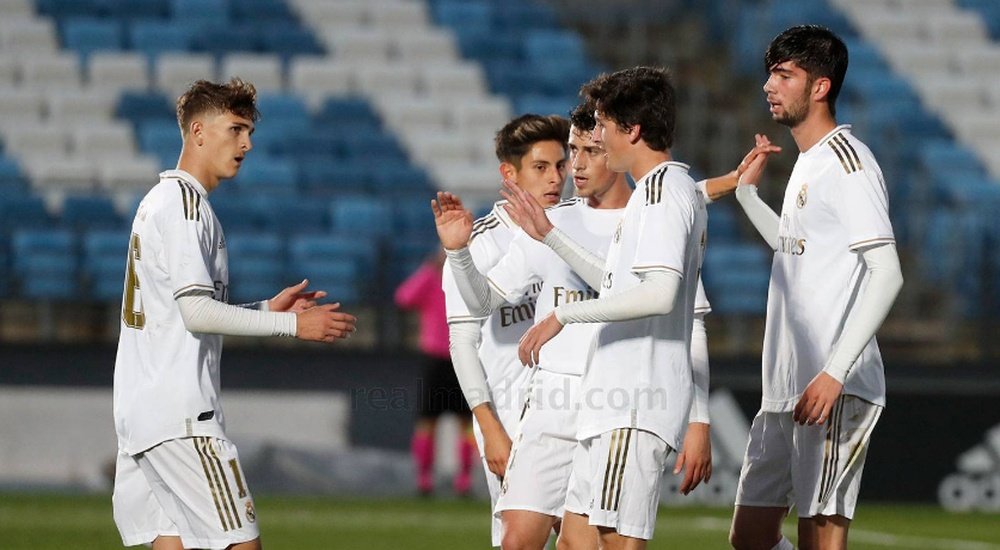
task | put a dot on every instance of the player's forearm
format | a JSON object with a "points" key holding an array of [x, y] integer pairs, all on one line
{"points": [[718, 187], [654, 295], [204, 315], [885, 279], [586, 264], [472, 285], [699, 371], [464, 341], [759, 213]]}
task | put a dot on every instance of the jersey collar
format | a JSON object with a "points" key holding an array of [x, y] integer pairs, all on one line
{"points": [[502, 215], [826, 138], [187, 178], [660, 166]]}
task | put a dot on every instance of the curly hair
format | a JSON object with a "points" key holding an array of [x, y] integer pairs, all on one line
{"points": [[236, 96], [582, 117], [516, 138], [817, 50], [642, 96]]}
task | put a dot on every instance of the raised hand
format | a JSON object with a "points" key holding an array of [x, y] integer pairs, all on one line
{"points": [[525, 211], [452, 220], [295, 299], [324, 323], [752, 165]]}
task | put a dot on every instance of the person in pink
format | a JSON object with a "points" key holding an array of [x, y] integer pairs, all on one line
{"points": [[438, 388]]}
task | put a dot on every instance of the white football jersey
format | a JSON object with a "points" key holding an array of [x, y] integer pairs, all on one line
{"points": [[166, 382], [640, 372], [835, 205], [529, 264], [501, 331]]}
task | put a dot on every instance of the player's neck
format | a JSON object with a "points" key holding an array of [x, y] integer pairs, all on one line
{"points": [[615, 197], [199, 170], [818, 123], [647, 159]]}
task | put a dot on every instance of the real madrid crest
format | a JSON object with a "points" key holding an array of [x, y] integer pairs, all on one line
{"points": [[801, 200], [251, 513]]}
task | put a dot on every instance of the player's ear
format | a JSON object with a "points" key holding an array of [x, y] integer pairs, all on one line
{"points": [[634, 134], [196, 129], [508, 171], [820, 88]]}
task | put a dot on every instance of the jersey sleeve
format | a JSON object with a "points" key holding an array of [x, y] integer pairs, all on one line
{"points": [[514, 274], [665, 223], [861, 203], [185, 226], [484, 255]]}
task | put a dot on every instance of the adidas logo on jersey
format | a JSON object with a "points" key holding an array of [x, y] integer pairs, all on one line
{"points": [[976, 485]]}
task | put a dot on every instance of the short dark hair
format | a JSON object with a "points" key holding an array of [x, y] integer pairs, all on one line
{"points": [[236, 96], [640, 95], [817, 50], [582, 117], [516, 138]]}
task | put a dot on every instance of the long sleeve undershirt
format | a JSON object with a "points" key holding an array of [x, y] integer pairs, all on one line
{"points": [[885, 279], [759, 213], [464, 343], [203, 314]]}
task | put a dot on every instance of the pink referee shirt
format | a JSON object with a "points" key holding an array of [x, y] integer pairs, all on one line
{"points": [[422, 291]]}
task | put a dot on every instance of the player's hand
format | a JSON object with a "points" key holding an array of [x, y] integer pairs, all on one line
{"points": [[752, 165], [525, 211], [294, 299], [324, 323], [695, 458], [497, 445], [452, 220], [817, 401], [530, 348]]}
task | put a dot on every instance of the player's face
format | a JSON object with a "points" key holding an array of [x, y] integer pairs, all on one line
{"points": [[227, 141], [543, 172], [787, 92], [615, 142], [591, 176]]}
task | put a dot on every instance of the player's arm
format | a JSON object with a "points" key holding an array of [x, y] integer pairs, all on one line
{"points": [[476, 292], [654, 295], [464, 341], [759, 213], [885, 279], [525, 210], [715, 188], [695, 457], [203, 314]]}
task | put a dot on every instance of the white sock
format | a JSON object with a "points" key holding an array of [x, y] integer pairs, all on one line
{"points": [[783, 544]]}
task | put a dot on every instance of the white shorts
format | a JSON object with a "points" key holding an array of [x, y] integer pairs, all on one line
{"points": [[616, 480], [817, 469], [541, 458], [192, 488]]}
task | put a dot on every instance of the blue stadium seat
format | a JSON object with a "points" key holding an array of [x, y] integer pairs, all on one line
{"points": [[236, 213], [12, 180], [24, 211], [375, 149], [153, 37], [489, 48], [736, 278], [360, 249], [411, 215], [90, 212], [4, 269], [289, 215], [86, 35], [45, 263], [365, 215], [200, 11], [545, 105], [406, 255], [267, 175], [286, 110], [990, 12], [256, 266], [322, 175], [69, 8], [137, 9], [519, 17], [337, 264], [138, 107], [722, 225], [290, 40], [161, 138], [272, 11], [219, 38], [352, 112], [473, 15], [103, 267], [393, 178]]}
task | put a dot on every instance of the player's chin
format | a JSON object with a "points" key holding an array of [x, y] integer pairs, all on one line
{"points": [[550, 199]]}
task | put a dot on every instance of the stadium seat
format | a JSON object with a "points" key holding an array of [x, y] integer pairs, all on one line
{"points": [[21, 106], [103, 264], [86, 35], [289, 215], [317, 78], [348, 111], [44, 262], [153, 37], [266, 176], [264, 70], [271, 11], [139, 107], [175, 72], [236, 213], [220, 37], [86, 212], [288, 41], [361, 214], [325, 176], [256, 266], [75, 108], [194, 12], [129, 10]]}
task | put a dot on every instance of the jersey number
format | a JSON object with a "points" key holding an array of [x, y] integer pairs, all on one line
{"points": [[132, 316]]}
